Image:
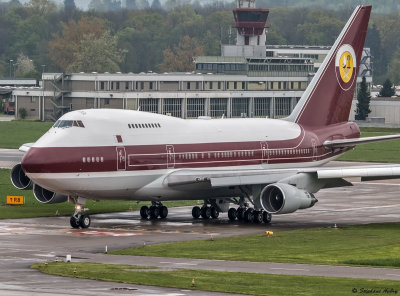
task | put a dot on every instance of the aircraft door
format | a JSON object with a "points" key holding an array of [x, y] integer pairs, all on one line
{"points": [[264, 152], [314, 149], [170, 157], [121, 158]]}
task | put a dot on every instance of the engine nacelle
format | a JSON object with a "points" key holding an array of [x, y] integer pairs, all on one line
{"points": [[46, 196], [281, 198], [19, 179]]}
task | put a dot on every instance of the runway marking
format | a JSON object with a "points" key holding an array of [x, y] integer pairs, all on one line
{"points": [[393, 274], [106, 233], [289, 269]]}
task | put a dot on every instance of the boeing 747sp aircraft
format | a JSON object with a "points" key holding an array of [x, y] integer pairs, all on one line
{"points": [[264, 166]]}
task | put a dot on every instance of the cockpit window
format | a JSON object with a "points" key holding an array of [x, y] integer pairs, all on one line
{"points": [[65, 123], [68, 123]]}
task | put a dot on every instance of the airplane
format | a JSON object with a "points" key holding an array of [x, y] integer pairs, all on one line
{"points": [[263, 166]]}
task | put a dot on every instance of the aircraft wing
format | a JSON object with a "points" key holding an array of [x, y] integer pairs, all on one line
{"points": [[25, 147], [354, 142], [334, 176]]}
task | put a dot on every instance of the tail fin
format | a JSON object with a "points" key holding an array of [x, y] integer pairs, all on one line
{"points": [[327, 99]]}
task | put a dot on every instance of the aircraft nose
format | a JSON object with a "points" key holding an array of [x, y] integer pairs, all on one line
{"points": [[33, 161]]}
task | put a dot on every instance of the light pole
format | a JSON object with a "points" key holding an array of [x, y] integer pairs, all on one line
{"points": [[43, 66], [10, 66]]}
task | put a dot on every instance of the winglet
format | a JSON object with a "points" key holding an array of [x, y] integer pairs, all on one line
{"points": [[327, 100]]}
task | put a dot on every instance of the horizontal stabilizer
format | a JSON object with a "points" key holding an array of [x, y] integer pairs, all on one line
{"points": [[358, 141]]}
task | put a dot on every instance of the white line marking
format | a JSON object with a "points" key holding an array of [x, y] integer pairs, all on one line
{"points": [[289, 269]]}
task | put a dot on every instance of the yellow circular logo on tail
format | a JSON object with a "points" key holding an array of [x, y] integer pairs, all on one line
{"points": [[345, 64]]}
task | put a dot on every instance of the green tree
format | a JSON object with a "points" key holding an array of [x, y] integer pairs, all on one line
{"points": [[97, 54], [63, 47], [394, 68], [144, 38], [180, 58], [131, 4], [156, 4], [363, 98], [387, 89], [42, 7]]}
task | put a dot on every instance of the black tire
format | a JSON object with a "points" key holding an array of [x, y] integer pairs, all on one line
{"points": [[240, 213], [248, 215], [154, 212], [84, 221], [214, 213], [74, 222], [206, 212], [257, 217], [232, 214], [196, 212], [163, 212], [144, 212], [267, 217]]}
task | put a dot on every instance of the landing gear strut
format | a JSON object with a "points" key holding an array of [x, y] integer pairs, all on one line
{"points": [[79, 219], [156, 210]]}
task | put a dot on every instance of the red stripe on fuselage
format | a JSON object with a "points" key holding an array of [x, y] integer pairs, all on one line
{"points": [[178, 156]]}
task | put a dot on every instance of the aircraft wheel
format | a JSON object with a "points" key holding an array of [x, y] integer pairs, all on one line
{"points": [[154, 212], [214, 213], [74, 222], [240, 213], [196, 212], [163, 212], [267, 217], [248, 215], [232, 214], [84, 221], [144, 212], [206, 212], [257, 217]]}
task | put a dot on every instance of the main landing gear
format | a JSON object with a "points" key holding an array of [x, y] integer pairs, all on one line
{"points": [[249, 215], [206, 212], [79, 219], [242, 213], [156, 210]]}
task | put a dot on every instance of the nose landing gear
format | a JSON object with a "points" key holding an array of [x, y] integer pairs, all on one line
{"points": [[79, 219]]}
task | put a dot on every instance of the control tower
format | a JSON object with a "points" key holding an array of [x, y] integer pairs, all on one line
{"points": [[250, 23]]}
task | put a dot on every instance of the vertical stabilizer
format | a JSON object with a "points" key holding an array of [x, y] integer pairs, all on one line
{"points": [[327, 100]]}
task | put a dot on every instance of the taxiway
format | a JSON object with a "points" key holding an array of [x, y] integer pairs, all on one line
{"points": [[28, 241]]}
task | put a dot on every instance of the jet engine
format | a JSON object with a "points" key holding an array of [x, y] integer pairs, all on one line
{"points": [[19, 179], [281, 198], [46, 196]]}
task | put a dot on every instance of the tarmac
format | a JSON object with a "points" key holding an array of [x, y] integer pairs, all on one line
{"points": [[28, 241]]}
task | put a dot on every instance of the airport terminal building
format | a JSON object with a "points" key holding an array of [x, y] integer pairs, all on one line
{"points": [[249, 79]]}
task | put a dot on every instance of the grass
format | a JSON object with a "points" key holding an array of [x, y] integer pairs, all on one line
{"points": [[229, 282], [19, 132], [375, 244], [32, 208]]}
